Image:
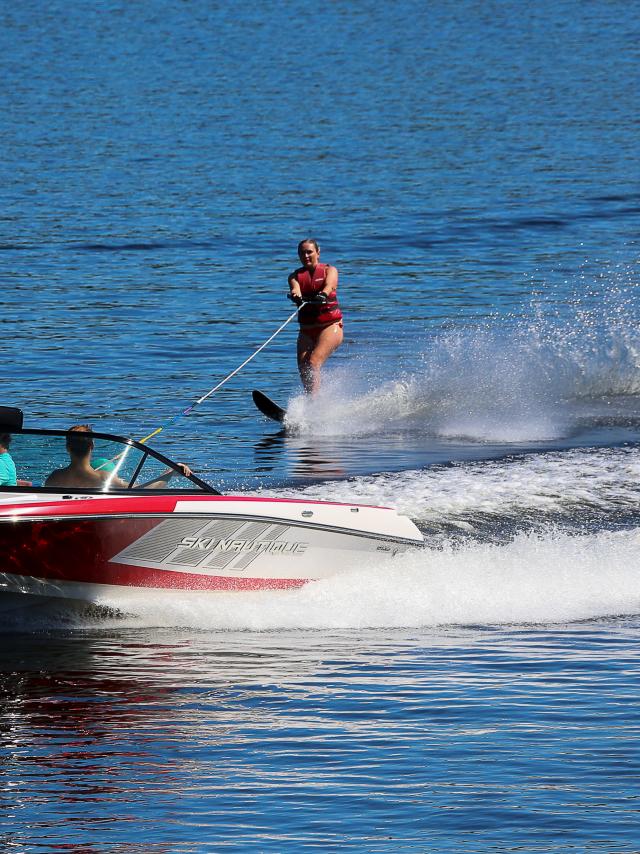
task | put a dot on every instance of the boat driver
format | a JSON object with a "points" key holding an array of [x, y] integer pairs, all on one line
{"points": [[80, 472]]}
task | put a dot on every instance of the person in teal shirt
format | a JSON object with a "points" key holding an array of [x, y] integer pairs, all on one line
{"points": [[7, 465]]}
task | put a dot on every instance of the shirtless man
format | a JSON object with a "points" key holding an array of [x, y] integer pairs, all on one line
{"points": [[80, 473]]}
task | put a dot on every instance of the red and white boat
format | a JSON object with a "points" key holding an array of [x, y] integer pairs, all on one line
{"points": [[150, 529]]}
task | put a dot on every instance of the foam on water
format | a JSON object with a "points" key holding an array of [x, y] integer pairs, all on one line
{"points": [[561, 482], [533, 579]]}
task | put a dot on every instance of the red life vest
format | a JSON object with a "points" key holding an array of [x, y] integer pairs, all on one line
{"points": [[317, 315]]}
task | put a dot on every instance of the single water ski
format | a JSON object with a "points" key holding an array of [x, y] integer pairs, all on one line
{"points": [[268, 407]]}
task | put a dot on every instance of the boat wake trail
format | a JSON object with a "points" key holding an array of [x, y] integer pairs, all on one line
{"points": [[542, 576], [555, 578], [577, 488]]}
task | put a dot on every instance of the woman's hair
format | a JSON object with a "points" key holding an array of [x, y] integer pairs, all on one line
{"points": [[308, 240], [79, 445], [5, 439]]}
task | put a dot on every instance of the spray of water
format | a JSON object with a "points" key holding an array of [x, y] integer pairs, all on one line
{"points": [[534, 579], [508, 379]]}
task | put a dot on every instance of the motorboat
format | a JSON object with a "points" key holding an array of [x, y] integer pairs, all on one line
{"points": [[150, 526]]}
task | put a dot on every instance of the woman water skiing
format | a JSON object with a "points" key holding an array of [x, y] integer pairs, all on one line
{"points": [[321, 327]]}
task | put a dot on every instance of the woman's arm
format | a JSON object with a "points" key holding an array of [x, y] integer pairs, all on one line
{"points": [[330, 280], [294, 285], [295, 292]]}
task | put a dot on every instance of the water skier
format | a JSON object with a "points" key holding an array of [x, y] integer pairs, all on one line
{"points": [[321, 326]]}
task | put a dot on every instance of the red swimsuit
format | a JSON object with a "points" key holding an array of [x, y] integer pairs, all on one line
{"points": [[316, 316]]}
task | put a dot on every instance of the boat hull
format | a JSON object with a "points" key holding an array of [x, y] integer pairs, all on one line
{"points": [[93, 551]]}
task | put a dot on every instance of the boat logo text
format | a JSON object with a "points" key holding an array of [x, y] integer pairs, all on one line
{"points": [[230, 545]]}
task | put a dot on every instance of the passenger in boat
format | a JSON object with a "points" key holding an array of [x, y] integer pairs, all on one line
{"points": [[7, 466], [81, 473], [320, 318]]}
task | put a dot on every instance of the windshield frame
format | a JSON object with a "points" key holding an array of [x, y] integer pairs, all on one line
{"points": [[146, 452]]}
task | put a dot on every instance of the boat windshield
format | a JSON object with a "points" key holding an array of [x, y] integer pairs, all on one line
{"points": [[100, 464]]}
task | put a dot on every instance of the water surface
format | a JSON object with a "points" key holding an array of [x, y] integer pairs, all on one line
{"points": [[472, 171]]}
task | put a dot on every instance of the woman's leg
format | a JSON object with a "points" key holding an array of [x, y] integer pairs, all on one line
{"points": [[313, 352], [305, 348]]}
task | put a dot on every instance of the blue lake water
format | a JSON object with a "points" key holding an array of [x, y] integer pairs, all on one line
{"points": [[473, 171]]}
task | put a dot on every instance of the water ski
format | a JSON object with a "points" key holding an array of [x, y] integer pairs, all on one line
{"points": [[268, 407]]}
